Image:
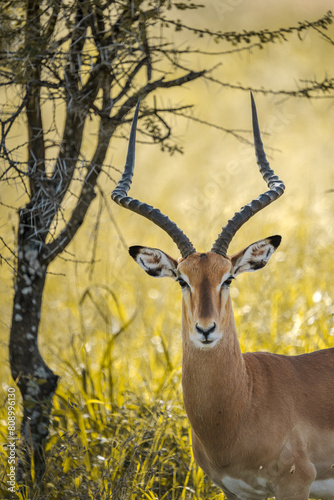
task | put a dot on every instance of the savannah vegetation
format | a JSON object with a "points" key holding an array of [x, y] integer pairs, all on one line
{"points": [[117, 427]]}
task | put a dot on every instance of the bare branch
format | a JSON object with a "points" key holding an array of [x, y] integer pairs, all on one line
{"points": [[66, 236], [51, 25], [33, 105], [130, 79], [312, 89], [151, 87]]}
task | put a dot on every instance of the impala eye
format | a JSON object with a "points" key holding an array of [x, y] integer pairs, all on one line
{"points": [[228, 281], [182, 283]]}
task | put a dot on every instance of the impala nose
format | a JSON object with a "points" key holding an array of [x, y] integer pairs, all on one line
{"points": [[206, 331]]}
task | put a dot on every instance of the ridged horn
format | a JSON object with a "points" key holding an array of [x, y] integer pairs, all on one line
{"points": [[276, 189], [120, 196]]}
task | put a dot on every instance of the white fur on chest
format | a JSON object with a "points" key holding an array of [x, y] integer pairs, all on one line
{"points": [[244, 491], [258, 491], [323, 489]]}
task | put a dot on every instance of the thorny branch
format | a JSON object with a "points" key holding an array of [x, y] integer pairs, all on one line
{"points": [[262, 37]]}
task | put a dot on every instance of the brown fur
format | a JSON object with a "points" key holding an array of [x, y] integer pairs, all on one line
{"points": [[254, 415]]}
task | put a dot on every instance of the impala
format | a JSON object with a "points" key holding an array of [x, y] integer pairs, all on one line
{"points": [[262, 424]]}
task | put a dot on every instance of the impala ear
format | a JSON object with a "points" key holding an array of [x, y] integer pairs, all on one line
{"points": [[155, 262], [255, 256]]}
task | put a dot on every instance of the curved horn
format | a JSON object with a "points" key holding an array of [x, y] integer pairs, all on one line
{"points": [[119, 195], [276, 189]]}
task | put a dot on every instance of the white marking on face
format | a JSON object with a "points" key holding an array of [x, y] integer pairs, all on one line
{"points": [[224, 278], [205, 346], [201, 342], [186, 279], [322, 488]]}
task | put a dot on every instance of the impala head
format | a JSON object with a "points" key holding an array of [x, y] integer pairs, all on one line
{"points": [[205, 278]]}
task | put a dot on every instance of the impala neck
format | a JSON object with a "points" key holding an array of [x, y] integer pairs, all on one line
{"points": [[215, 381]]}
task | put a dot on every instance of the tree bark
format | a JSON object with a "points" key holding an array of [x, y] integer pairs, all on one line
{"points": [[34, 378]]}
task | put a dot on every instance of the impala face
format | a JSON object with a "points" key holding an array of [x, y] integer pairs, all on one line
{"points": [[205, 280]]}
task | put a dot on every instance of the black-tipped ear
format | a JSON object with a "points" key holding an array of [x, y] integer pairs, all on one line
{"points": [[255, 256], [275, 240], [134, 251], [154, 262]]}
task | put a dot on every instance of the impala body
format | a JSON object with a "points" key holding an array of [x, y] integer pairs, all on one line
{"points": [[262, 424]]}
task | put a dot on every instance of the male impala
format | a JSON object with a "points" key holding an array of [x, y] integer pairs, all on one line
{"points": [[262, 424]]}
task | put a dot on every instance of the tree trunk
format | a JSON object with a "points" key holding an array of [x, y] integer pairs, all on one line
{"points": [[34, 378]]}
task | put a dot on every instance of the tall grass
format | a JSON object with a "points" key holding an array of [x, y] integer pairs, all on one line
{"points": [[118, 431]]}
